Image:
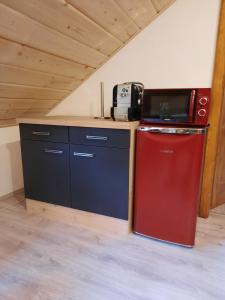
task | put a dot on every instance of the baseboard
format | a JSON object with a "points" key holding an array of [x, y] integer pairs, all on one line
{"points": [[77, 217], [14, 193]]}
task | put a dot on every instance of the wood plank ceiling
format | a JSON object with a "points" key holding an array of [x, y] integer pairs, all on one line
{"points": [[49, 47]]}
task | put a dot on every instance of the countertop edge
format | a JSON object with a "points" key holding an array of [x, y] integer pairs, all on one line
{"points": [[79, 122]]}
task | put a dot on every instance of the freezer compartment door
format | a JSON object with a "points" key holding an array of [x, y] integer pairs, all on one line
{"points": [[168, 176]]}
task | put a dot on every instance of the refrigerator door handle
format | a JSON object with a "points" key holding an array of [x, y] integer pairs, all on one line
{"points": [[166, 130]]}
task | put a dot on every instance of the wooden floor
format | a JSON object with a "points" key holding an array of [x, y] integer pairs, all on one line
{"points": [[41, 259]]}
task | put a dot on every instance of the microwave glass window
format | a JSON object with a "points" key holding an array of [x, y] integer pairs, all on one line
{"points": [[166, 106]]}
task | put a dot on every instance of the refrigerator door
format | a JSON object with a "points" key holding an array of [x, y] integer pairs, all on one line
{"points": [[168, 175]]}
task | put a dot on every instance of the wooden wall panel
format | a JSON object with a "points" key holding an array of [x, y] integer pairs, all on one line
{"points": [[16, 26], [16, 113], [18, 75], [11, 114], [70, 22], [19, 91], [49, 47], [7, 122], [161, 4], [20, 55], [208, 196], [218, 196], [12, 104], [140, 11], [108, 15]]}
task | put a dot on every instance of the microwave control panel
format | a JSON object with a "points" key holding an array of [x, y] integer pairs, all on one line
{"points": [[202, 106]]}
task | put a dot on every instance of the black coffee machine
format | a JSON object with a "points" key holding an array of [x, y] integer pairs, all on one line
{"points": [[127, 99]]}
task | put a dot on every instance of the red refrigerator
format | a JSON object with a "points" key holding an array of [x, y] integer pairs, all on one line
{"points": [[168, 176]]}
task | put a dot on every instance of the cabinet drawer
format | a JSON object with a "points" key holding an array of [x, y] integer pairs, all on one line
{"points": [[44, 133], [119, 138]]}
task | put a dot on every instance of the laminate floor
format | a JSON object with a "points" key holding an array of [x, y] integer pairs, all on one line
{"points": [[42, 259]]}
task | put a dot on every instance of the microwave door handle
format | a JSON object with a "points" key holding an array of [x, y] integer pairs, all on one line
{"points": [[176, 131], [191, 107]]}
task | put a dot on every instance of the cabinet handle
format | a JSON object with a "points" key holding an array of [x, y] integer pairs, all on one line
{"points": [[53, 151], [88, 155], [95, 137], [41, 133]]}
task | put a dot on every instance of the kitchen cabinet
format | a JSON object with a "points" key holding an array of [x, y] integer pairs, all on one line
{"points": [[99, 180], [99, 161], [45, 154], [46, 171], [84, 168]]}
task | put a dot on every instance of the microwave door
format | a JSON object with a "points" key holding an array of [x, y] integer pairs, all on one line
{"points": [[168, 106]]}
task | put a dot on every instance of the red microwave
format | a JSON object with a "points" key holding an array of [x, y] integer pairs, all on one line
{"points": [[172, 106]]}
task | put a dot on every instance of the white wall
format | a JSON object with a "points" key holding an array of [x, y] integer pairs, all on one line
{"points": [[176, 50], [10, 160]]}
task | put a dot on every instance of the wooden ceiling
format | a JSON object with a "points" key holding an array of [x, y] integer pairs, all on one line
{"points": [[49, 47]]}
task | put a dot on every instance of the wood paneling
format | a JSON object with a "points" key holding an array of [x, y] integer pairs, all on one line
{"points": [[109, 15], [12, 104], [7, 122], [161, 4], [140, 11], [214, 119], [219, 177], [49, 47], [70, 22], [18, 27], [13, 113], [17, 75], [35, 112], [19, 91], [13, 108], [20, 55]]}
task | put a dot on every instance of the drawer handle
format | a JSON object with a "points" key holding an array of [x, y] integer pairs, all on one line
{"points": [[45, 133], [95, 137], [53, 151], [80, 154]]}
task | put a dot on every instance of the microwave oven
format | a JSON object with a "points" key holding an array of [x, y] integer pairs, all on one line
{"points": [[176, 106]]}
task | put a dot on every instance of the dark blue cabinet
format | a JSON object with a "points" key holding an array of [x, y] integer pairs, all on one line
{"points": [[46, 171], [99, 180], [83, 168]]}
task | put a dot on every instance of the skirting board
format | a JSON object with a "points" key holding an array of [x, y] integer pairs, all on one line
{"points": [[14, 193], [73, 216]]}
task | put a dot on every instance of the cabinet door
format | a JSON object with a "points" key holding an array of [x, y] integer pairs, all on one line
{"points": [[99, 180], [46, 171]]}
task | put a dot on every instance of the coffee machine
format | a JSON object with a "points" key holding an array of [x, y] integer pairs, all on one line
{"points": [[127, 99]]}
